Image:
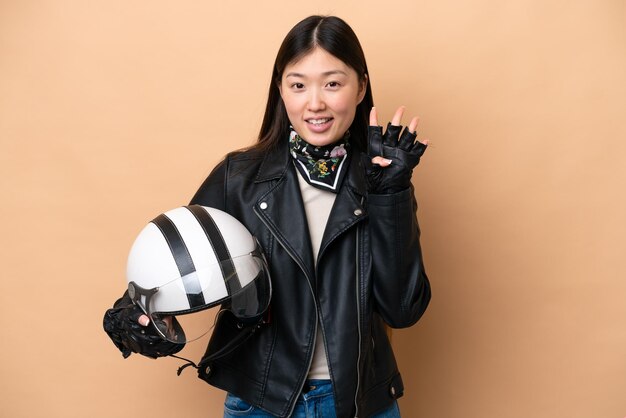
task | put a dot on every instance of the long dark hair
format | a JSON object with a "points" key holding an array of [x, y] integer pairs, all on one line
{"points": [[336, 37]]}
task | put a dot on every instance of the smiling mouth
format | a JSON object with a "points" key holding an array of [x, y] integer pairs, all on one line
{"points": [[319, 121]]}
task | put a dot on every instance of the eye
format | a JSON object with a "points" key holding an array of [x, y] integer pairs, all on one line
{"points": [[333, 84], [297, 86]]}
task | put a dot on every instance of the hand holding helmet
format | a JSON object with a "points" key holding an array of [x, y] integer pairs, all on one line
{"points": [[122, 325], [184, 262]]}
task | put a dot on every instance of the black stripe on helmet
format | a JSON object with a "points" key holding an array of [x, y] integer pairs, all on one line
{"points": [[183, 260], [231, 279]]}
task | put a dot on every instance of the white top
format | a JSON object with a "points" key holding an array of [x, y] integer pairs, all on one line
{"points": [[317, 206]]}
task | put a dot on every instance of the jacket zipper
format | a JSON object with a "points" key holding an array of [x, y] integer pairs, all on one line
{"points": [[358, 316], [294, 258]]}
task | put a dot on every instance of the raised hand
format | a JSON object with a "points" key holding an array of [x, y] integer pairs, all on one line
{"points": [[392, 156]]}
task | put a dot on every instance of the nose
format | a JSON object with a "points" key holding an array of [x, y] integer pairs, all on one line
{"points": [[316, 101]]}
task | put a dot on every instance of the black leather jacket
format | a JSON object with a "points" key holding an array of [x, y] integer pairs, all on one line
{"points": [[369, 272]]}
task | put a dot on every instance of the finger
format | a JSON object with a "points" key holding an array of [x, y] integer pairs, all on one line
{"points": [[397, 117], [373, 117], [413, 125], [419, 148], [407, 139], [383, 162], [143, 320], [391, 136]]}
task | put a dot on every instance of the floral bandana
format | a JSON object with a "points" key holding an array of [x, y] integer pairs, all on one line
{"points": [[322, 167]]}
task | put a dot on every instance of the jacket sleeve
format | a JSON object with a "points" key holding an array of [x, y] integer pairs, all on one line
{"points": [[212, 192], [400, 286]]}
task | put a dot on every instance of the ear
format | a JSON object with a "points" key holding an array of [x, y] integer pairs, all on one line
{"points": [[362, 89]]}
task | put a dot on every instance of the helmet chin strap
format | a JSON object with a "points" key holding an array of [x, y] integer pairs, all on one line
{"points": [[246, 333], [242, 337], [184, 366]]}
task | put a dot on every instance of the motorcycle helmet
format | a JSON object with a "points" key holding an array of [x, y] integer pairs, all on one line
{"points": [[193, 258]]}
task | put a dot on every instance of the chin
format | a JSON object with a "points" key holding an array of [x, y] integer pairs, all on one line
{"points": [[321, 140]]}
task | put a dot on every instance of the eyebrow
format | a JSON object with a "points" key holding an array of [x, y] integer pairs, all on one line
{"points": [[325, 74]]}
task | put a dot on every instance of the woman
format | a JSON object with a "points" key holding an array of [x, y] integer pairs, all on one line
{"points": [[332, 205], [340, 234]]}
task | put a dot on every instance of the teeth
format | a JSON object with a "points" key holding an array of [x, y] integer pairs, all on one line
{"points": [[318, 121]]}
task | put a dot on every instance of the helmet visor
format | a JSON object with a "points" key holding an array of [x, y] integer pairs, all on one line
{"points": [[179, 310]]}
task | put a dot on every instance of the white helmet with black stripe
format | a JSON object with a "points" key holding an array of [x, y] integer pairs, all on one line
{"points": [[193, 258]]}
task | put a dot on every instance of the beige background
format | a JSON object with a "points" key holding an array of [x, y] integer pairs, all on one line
{"points": [[112, 112]]}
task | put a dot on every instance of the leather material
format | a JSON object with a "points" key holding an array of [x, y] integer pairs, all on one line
{"points": [[120, 323], [369, 272], [403, 151]]}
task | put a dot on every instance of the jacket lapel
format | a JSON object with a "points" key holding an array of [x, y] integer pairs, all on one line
{"points": [[349, 207], [282, 209]]}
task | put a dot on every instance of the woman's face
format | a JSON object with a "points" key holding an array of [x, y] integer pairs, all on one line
{"points": [[321, 94]]}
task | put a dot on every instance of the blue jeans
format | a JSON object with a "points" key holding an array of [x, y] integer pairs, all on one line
{"points": [[317, 401]]}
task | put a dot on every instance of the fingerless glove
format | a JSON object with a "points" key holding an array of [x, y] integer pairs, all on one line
{"points": [[403, 151], [120, 323]]}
